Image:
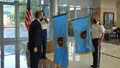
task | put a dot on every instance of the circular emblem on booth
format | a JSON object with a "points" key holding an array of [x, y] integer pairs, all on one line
{"points": [[83, 34], [60, 41]]}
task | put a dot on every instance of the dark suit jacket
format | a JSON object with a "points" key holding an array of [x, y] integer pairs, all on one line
{"points": [[35, 35]]}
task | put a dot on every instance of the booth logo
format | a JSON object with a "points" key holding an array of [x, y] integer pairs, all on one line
{"points": [[60, 41], [83, 34]]}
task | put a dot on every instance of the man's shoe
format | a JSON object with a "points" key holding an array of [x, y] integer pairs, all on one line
{"points": [[44, 57], [94, 66]]}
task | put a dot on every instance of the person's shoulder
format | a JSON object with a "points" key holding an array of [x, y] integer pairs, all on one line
{"points": [[34, 23], [36, 20]]}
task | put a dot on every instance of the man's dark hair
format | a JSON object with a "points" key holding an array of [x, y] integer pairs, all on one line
{"points": [[37, 14]]}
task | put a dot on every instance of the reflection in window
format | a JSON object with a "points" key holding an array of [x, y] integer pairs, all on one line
{"points": [[82, 12], [22, 1], [9, 49], [71, 8], [9, 55], [36, 8], [62, 8], [22, 58], [108, 19], [0, 56], [77, 58], [9, 15], [72, 12], [7, 0], [23, 30], [32, 1], [9, 32], [89, 10], [78, 7], [9, 21]]}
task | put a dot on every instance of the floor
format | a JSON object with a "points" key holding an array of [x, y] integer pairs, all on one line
{"points": [[13, 55]]}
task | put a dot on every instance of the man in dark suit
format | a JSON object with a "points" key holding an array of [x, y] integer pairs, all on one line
{"points": [[35, 40]]}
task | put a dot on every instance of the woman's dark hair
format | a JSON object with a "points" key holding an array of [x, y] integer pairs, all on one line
{"points": [[41, 19], [43, 12]]}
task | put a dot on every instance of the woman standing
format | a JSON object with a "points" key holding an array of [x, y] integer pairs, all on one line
{"points": [[44, 24]]}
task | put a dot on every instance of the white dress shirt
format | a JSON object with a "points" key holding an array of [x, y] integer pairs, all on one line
{"points": [[97, 30]]}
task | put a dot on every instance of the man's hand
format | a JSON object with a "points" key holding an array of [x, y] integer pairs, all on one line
{"points": [[35, 50], [28, 52]]}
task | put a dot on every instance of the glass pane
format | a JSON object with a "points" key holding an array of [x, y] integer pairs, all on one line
{"points": [[32, 1], [23, 30], [23, 61], [36, 8], [46, 10], [22, 1], [89, 10], [9, 55], [9, 32], [0, 35], [7, 0], [63, 8], [9, 15], [9, 21], [82, 12], [48, 31], [0, 56], [36, 2], [72, 13]]}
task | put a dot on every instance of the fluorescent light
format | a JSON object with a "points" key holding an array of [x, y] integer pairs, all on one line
{"points": [[42, 2], [71, 8], [64, 5]]}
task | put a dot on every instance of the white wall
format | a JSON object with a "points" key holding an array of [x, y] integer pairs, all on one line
{"points": [[108, 3], [96, 3]]}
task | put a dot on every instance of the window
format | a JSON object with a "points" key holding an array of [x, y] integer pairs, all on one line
{"points": [[108, 19], [9, 21], [7, 0], [22, 29]]}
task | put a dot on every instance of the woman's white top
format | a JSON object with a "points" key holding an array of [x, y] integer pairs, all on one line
{"points": [[44, 24]]}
